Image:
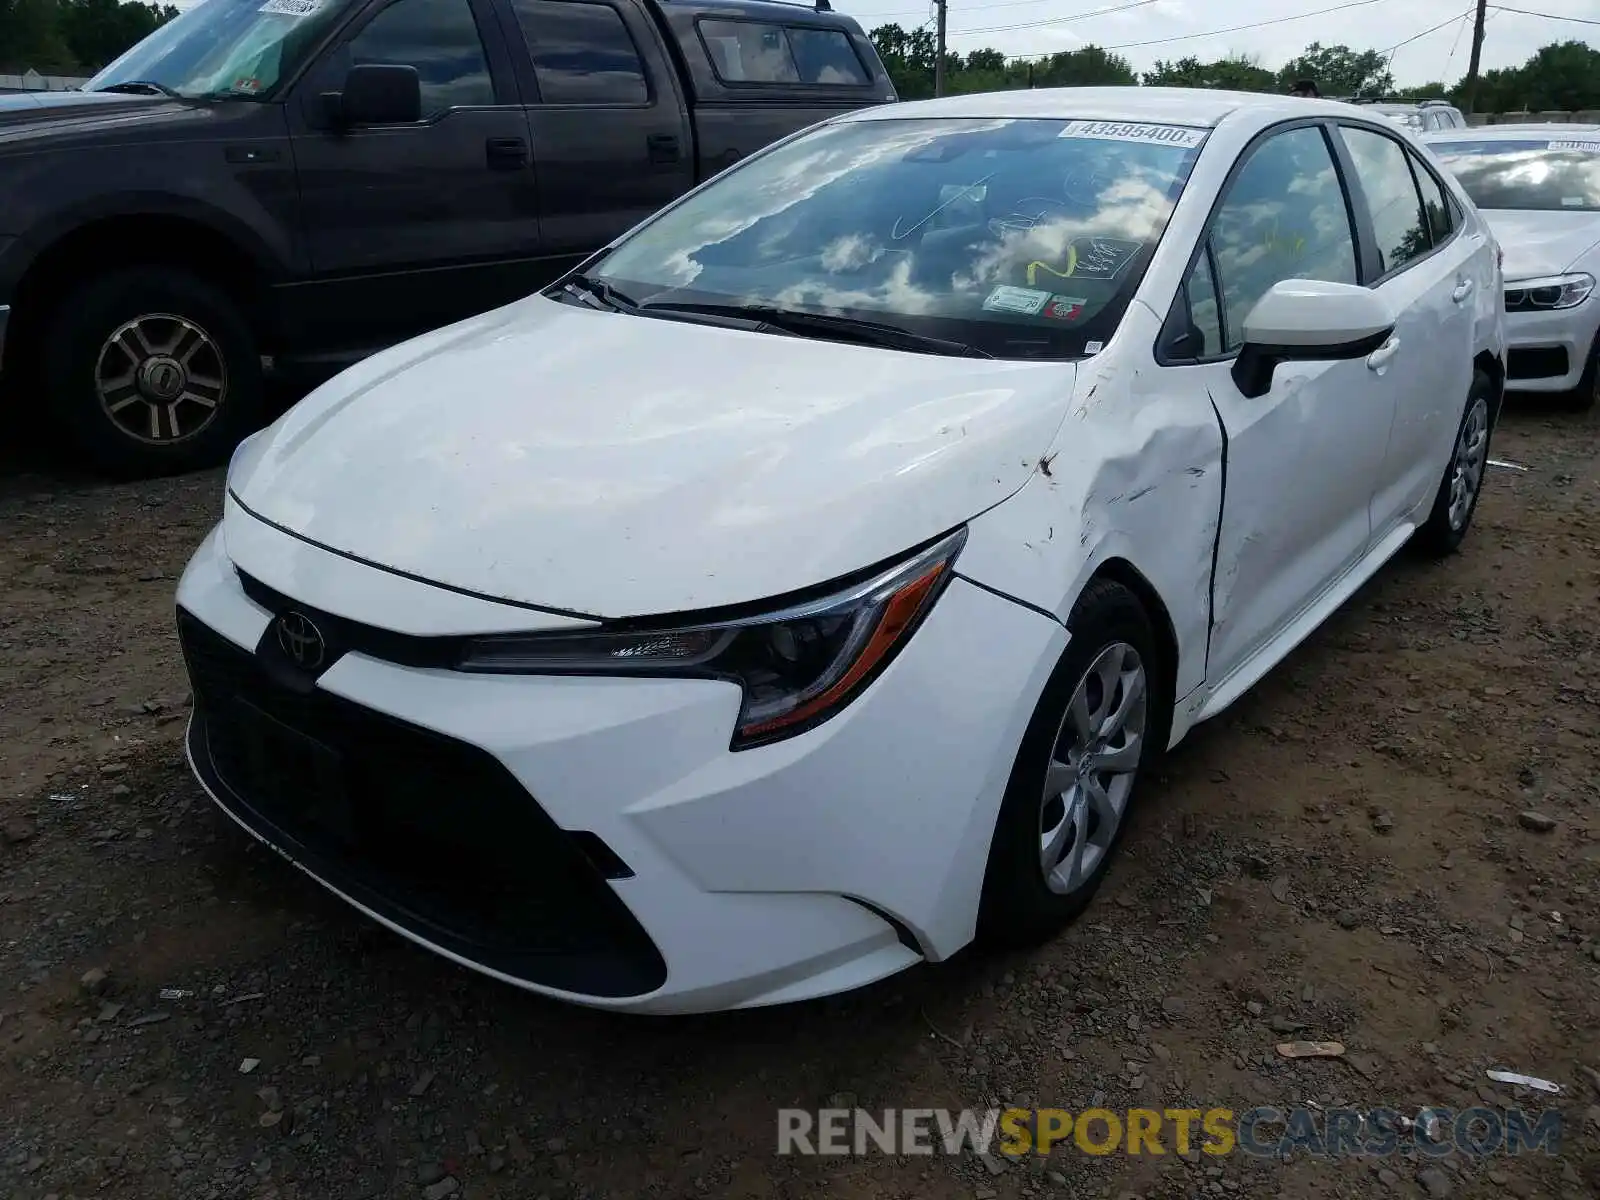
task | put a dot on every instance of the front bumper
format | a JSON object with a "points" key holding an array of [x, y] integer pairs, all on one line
{"points": [[492, 818], [1547, 350]]}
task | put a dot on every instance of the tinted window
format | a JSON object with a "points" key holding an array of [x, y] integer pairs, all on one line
{"points": [[582, 53], [1392, 196], [1547, 173], [747, 52], [1205, 312], [437, 37], [826, 56], [1024, 238], [1441, 218], [1284, 218]]}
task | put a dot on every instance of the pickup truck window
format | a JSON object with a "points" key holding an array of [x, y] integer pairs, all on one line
{"points": [[748, 52], [826, 56], [440, 39], [582, 53]]}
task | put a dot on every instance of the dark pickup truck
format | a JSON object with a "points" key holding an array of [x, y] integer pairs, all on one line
{"points": [[281, 187]]}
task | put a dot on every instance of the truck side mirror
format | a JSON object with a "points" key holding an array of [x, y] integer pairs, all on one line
{"points": [[376, 94]]}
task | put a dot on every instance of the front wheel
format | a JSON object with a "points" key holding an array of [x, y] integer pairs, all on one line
{"points": [[1587, 394], [1101, 721], [1457, 498], [151, 371]]}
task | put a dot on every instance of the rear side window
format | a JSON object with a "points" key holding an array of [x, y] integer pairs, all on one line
{"points": [[826, 56], [582, 53], [1391, 193], [756, 52], [1435, 204]]}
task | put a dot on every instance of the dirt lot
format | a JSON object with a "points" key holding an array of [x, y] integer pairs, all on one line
{"points": [[1394, 843]]}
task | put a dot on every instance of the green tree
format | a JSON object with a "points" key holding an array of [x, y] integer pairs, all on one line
{"points": [[30, 37], [908, 57], [1088, 66], [1340, 71], [97, 31], [1236, 73]]}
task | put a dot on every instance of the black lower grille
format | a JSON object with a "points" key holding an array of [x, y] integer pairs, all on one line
{"points": [[1543, 362], [427, 831]]}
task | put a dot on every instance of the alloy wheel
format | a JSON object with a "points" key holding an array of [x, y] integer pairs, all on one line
{"points": [[161, 378], [1466, 473]]}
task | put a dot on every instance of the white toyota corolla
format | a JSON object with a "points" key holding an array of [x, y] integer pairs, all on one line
{"points": [[798, 589], [1538, 186]]}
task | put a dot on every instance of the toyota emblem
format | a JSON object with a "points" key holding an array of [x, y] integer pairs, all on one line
{"points": [[301, 641]]}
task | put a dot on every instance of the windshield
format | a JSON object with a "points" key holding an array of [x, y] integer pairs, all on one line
{"points": [[1542, 174], [224, 48], [1021, 238]]}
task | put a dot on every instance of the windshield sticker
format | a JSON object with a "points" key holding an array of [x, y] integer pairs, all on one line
{"points": [[1093, 347], [290, 8], [1574, 201], [1122, 131], [1591, 147], [1065, 308], [1089, 258], [246, 84], [1026, 301]]}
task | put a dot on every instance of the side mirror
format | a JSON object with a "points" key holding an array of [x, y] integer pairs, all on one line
{"points": [[376, 94], [1306, 320]]}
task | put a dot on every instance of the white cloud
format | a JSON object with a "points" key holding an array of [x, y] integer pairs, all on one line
{"points": [[1508, 40]]}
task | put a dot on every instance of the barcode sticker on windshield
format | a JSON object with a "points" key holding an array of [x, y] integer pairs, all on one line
{"points": [[1123, 131], [1592, 147], [291, 8]]}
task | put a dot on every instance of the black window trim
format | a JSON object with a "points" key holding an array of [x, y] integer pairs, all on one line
{"points": [[537, 100], [869, 78], [1361, 235], [1413, 159]]}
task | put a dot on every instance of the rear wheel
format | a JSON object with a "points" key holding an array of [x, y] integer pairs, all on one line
{"points": [[1457, 498], [1101, 721], [152, 371]]}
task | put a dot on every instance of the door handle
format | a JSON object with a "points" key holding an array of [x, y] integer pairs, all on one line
{"points": [[1463, 290], [1379, 358], [662, 147], [507, 154]]}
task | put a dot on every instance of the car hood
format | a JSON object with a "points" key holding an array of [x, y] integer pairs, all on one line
{"points": [[1542, 243], [608, 465], [27, 115]]}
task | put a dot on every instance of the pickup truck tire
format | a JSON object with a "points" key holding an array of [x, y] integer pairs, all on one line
{"points": [[152, 371]]}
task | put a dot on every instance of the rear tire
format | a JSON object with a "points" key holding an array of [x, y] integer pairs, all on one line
{"points": [[152, 371], [1462, 484], [1062, 819]]}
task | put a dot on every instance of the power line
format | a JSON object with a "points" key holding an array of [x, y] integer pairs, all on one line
{"points": [[1547, 16], [1099, 12], [1430, 29], [1186, 37]]}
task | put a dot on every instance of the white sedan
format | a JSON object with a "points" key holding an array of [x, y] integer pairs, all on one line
{"points": [[798, 589], [1538, 186]]}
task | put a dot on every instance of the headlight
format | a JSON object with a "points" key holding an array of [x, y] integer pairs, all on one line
{"points": [[1556, 291], [797, 666]]}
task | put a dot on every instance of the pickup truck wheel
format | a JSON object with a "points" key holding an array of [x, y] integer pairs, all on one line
{"points": [[153, 371]]}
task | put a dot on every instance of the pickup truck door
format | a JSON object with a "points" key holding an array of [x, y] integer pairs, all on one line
{"points": [[612, 137], [415, 226]]}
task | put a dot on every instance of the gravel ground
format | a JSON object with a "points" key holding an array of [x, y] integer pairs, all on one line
{"points": [[1393, 842]]}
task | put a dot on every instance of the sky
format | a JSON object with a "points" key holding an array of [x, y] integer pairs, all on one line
{"points": [[1509, 37]]}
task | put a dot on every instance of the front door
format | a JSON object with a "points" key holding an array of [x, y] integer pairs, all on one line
{"points": [[1304, 459], [415, 226]]}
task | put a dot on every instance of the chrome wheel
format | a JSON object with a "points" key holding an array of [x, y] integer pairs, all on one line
{"points": [[160, 378], [1466, 471], [1092, 768]]}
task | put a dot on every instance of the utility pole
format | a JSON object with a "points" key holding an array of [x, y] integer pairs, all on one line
{"points": [[1469, 97], [938, 62]]}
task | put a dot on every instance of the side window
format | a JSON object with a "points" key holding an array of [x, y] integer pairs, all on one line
{"points": [[1435, 203], [748, 52], [437, 37], [825, 56], [1205, 311], [1392, 195], [582, 53], [1284, 218]]}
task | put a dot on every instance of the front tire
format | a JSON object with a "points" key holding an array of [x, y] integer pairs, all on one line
{"points": [[1587, 394], [1459, 490], [152, 371], [1101, 721]]}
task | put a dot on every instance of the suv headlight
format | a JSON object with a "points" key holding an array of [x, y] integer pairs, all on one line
{"points": [[1555, 291], [797, 666]]}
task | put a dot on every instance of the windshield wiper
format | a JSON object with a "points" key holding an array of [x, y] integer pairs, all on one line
{"points": [[842, 328], [141, 87], [599, 290]]}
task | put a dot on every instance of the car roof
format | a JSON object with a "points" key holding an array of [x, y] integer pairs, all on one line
{"points": [[787, 11], [1202, 107], [1509, 132]]}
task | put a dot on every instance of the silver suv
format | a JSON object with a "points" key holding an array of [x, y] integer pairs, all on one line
{"points": [[1419, 116]]}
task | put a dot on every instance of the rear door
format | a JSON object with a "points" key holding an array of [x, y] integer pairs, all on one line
{"points": [[414, 226], [612, 142], [1416, 261]]}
